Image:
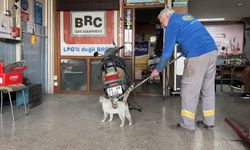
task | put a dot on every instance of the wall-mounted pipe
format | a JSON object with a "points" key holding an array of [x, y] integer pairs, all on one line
{"points": [[4, 6], [7, 6]]}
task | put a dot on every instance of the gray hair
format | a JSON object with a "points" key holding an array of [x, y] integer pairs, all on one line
{"points": [[166, 12]]}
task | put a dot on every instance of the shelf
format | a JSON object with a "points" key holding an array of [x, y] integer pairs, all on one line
{"points": [[10, 40]]}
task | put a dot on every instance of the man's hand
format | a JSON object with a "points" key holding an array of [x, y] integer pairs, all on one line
{"points": [[154, 73]]}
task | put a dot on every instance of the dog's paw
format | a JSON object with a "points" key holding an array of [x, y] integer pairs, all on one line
{"points": [[130, 124], [110, 120], [103, 120], [122, 125]]}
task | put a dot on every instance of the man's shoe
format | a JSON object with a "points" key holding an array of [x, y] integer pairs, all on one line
{"points": [[202, 124], [178, 126], [245, 96], [236, 86]]}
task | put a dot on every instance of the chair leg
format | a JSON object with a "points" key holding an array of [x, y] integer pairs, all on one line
{"points": [[24, 103], [12, 112], [1, 102]]}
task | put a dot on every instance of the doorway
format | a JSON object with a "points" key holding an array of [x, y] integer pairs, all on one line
{"points": [[148, 43]]}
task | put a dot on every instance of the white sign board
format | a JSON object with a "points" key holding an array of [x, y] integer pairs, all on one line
{"points": [[88, 24], [74, 43], [228, 37], [83, 49], [5, 27]]}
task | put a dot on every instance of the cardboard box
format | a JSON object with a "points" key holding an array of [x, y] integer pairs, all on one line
{"points": [[13, 76]]}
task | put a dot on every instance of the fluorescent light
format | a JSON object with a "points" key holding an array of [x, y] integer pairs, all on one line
{"points": [[212, 19]]}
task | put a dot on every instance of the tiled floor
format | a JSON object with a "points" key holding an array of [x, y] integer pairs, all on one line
{"points": [[73, 122]]}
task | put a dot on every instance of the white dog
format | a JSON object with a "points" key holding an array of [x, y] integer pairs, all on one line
{"points": [[122, 110]]}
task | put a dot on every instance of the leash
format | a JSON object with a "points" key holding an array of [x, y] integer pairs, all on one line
{"points": [[133, 87]]}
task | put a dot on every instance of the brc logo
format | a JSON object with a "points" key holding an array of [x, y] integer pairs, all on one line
{"points": [[14, 78], [88, 20], [85, 24]]}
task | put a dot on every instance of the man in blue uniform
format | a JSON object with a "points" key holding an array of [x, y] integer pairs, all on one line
{"points": [[200, 51]]}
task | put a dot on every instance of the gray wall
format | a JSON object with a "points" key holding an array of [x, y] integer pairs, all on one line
{"points": [[8, 52], [231, 10], [35, 56]]}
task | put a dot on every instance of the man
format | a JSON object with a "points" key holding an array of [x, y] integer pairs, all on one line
{"points": [[200, 65]]}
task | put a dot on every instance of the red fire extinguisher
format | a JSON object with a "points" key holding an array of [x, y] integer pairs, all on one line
{"points": [[15, 32]]}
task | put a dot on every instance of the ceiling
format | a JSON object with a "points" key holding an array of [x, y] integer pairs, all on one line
{"points": [[147, 15], [231, 10]]}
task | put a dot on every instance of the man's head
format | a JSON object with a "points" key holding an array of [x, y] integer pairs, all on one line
{"points": [[164, 16]]}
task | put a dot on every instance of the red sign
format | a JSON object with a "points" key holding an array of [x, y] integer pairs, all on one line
{"points": [[24, 16]]}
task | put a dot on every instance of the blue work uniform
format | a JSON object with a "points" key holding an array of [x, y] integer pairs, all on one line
{"points": [[200, 51], [190, 34]]}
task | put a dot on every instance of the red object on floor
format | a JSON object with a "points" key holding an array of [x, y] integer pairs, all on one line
{"points": [[238, 130], [13, 76]]}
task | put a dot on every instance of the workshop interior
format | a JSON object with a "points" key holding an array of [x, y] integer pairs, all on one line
{"points": [[60, 56]]}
